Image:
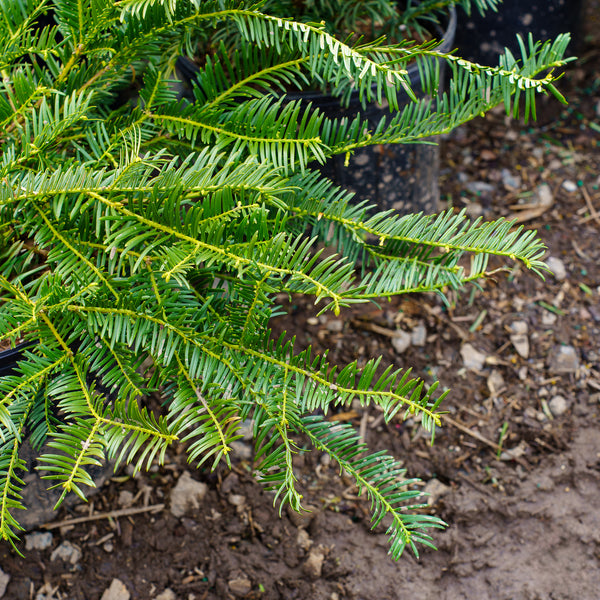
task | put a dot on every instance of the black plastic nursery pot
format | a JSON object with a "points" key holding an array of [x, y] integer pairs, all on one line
{"points": [[403, 177], [9, 359], [483, 39]]}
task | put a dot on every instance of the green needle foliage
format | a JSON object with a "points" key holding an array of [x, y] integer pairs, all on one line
{"points": [[138, 228]]}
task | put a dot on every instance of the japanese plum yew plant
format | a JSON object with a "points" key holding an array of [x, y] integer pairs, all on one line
{"points": [[145, 237]]}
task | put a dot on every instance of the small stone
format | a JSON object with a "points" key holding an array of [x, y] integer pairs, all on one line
{"points": [[240, 586], [480, 187], [401, 341], [515, 452], [563, 359], [548, 318], [436, 489], [558, 406], [510, 181], [557, 267], [116, 591], [186, 494], [495, 382], [543, 196], [519, 338], [312, 321], [4, 579], [474, 210], [335, 326], [569, 186], [167, 594], [125, 498], [418, 335], [247, 430], [242, 450], [472, 358], [67, 552], [313, 567], [38, 540], [486, 154]]}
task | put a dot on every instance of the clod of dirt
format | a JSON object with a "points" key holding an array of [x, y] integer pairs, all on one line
{"points": [[39, 540], [116, 591], [436, 489], [557, 267], [125, 498], [229, 484], [67, 552], [303, 540], [314, 563], [186, 494], [563, 359], [472, 358], [4, 579], [240, 586]]}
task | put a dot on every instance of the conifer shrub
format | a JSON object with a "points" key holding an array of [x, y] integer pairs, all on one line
{"points": [[140, 228]]}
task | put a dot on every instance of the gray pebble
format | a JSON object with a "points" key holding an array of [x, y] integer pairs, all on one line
{"points": [[557, 267], [240, 586], [336, 325], [401, 341], [186, 494], [419, 335], [39, 540], [472, 358], [511, 181], [558, 406], [67, 552], [480, 187], [4, 579], [563, 359], [241, 449]]}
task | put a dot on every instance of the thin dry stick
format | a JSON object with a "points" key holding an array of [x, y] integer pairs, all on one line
{"points": [[113, 514], [588, 201], [470, 432]]}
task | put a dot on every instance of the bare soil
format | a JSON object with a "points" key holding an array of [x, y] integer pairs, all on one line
{"points": [[514, 472]]}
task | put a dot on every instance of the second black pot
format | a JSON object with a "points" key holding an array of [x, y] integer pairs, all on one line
{"points": [[483, 39]]}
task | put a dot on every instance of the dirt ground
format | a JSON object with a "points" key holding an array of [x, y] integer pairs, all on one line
{"points": [[515, 470]]}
